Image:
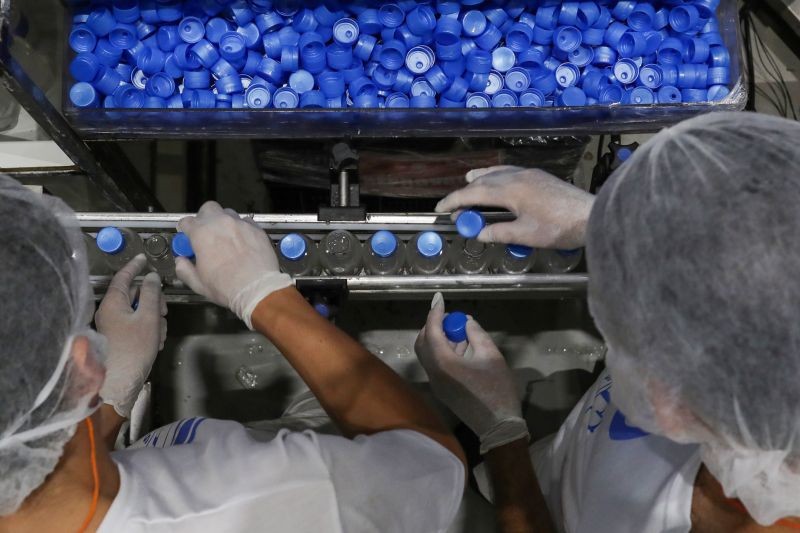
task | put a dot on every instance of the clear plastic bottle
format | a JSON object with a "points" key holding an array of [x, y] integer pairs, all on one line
{"points": [[98, 266], [298, 256], [470, 256], [340, 253], [562, 261], [514, 259], [427, 253], [119, 246], [158, 249], [384, 254]]}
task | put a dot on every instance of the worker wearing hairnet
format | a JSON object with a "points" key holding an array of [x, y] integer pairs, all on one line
{"points": [[65, 390], [693, 248]]}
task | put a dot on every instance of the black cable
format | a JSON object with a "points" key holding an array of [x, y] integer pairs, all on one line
{"points": [[777, 76], [600, 147], [744, 15]]}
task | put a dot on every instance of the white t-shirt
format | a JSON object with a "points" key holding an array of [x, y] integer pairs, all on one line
{"points": [[600, 475], [200, 475]]}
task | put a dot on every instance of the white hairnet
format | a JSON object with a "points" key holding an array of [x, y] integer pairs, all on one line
{"points": [[46, 303], [694, 250]]}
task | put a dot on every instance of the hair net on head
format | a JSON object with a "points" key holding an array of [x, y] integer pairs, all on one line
{"points": [[693, 250], [46, 299]]}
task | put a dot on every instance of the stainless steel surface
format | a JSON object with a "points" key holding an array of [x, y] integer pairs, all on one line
{"points": [[344, 188], [422, 287]]}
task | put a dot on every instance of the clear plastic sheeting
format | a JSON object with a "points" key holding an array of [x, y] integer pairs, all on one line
{"points": [[420, 169], [693, 253]]}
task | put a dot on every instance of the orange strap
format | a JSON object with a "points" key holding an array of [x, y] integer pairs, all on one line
{"points": [[95, 479], [739, 506]]}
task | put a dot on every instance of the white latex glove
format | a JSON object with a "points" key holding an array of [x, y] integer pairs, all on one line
{"points": [[472, 379], [236, 264], [134, 337], [550, 212]]}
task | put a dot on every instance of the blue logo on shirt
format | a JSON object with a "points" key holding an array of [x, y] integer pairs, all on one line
{"points": [[620, 430]]}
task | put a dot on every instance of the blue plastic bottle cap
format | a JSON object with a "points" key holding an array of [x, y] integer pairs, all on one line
{"points": [[604, 56], [614, 33], [593, 36], [717, 93], [197, 79], [110, 240], [364, 47], [478, 100], [531, 98], [81, 39], [393, 55], [642, 96], [669, 95], [191, 29], [671, 51], [222, 69], [270, 70], [160, 85], [285, 98], [455, 326], [684, 18], [323, 310], [301, 81], [626, 71], [713, 39], [503, 59], [505, 98], [230, 84], [612, 94], [581, 56], [430, 244], [290, 58], [490, 38], [519, 37], [421, 87], [168, 38], [567, 38], [383, 243], [203, 99], [85, 67], [694, 95], [391, 15], [720, 57], [139, 78], [257, 97], [697, 51], [572, 97], [331, 84], [545, 81], [474, 23], [101, 21], [495, 83], [384, 78], [151, 60], [339, 56], [126, 11], [232, 46], [421, 20], [305, 21], [420, 59], [470, 223], [206, 52], [181, 246], [293, 247], [144, 30], [289, 37], [446, 103], [107, 80], [346, 31], [397, 101], [455, 69], [479, 61], [123, 36], [719, 76], [632, 44], [83, 95], [519, 251], [568, 75], [651, 76], [366, 101], [642, 17], [477, 82], [438, 79], [107, 54], [518, 79]]}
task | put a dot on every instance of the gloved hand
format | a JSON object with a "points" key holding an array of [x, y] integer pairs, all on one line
{"points": [[134, 337], [472, 379], [236, 263], [550, 212]]}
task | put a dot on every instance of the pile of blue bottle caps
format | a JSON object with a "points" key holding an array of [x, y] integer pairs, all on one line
{"points": [[285, 54]]}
